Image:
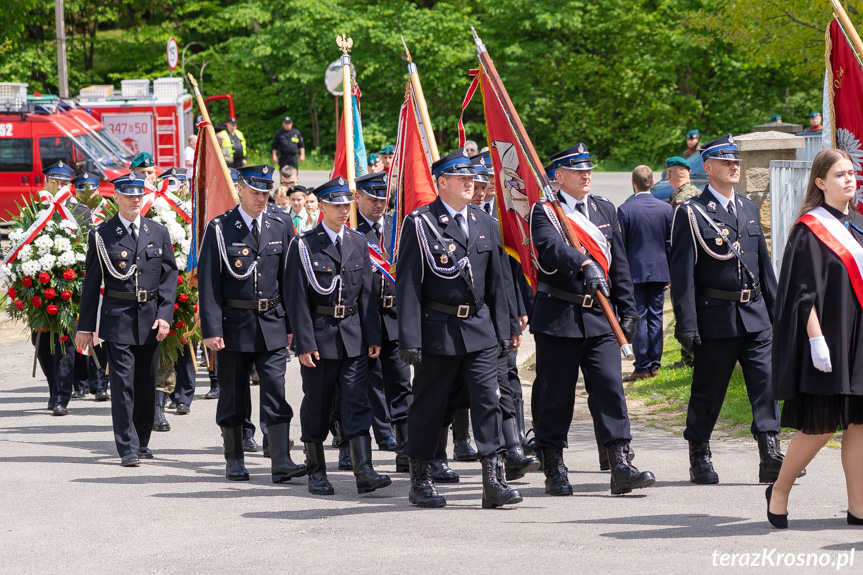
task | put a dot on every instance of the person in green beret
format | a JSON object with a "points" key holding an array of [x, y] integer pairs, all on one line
{"points": [[145, 165], [678, 170], [386, 154], [692, 138]]}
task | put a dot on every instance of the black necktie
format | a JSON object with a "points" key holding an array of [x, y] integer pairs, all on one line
{"points": [[133, 233], [582, 207], [730, 207], [378, 228], [460, 221], [487, 208], [255, 232], [339, 245]]}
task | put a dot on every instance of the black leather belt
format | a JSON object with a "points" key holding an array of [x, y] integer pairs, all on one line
{"points": [[261, 305], [461, 311], [140, 296], [579, 299], [738, 296], [387, 301], [337, 311]]}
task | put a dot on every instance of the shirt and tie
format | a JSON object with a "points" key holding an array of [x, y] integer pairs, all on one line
{"points": [[132, 227], [460, 218], [726, 203], [336, 237], [577, 205], [254, 224]]}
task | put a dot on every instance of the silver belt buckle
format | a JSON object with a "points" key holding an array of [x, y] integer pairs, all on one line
{"points": [[141, 295], [587, 301], [745, 295], [263, 305], [339, 312], [463, 311], [387, 301]]}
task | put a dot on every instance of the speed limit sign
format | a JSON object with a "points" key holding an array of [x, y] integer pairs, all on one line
{"points": [[173, 54]]}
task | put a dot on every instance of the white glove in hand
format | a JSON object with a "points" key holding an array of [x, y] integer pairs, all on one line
{"points": [[820, 354]]}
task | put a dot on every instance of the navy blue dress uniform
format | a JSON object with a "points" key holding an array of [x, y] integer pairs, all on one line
{"points": [[334, 311], [135, 262], [723, 304], [391, 372], [645, 224], [242, 292], [453, 322], [572, 333]]}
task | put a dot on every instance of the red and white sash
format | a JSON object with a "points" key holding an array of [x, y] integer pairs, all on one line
{"points": [[173, 201], [587, 233], [53, 203], [833, 234]]}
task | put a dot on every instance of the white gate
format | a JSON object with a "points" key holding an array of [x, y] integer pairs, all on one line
{"points": [[788, 180]]}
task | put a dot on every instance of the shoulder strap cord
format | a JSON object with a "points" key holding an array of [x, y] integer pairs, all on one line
{"points": [[732, 251], [310, 274]]}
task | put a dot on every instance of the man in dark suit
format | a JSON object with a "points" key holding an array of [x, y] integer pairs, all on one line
{"points": [[334, 311], [388, 372], [723, 288], [453, 322], [645, 225], [570, 329], [241, 294], [132, 255]]}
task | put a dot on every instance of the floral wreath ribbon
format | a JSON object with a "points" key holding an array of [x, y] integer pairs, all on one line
{"points": [[54, 203], [173, 201]]}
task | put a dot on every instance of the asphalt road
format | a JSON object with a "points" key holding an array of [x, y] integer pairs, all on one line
{"points": [[68, 507]]}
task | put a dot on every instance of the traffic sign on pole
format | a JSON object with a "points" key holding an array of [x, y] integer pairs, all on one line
{"points": [[173, 54]]}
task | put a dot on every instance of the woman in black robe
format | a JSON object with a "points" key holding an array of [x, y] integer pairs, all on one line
{"points": [[818, 341]]}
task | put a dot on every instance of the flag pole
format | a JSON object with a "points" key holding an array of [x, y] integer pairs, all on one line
{"points": [[345, 44], [421, 104], [536, 166], [211, 134], [849, 27]]}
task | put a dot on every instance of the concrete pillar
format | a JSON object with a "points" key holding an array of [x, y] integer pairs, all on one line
{"points": [[757, 150]]}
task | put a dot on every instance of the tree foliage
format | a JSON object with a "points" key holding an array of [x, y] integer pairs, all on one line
{"points": [[626, 77]]}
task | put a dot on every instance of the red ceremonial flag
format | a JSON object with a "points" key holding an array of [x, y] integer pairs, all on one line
{"points": [[843, 93], [212, 193], [410, 175], [517, 188]]}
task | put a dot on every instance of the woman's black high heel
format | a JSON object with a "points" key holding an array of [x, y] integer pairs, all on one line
{"points": [[854, 520], [781, 521]]}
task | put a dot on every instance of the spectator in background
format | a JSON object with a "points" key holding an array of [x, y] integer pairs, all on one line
{"points": [[678, 171], [375, 164], [814, 121], [280, 196], [692, 139], [645, 223], [288, 145], [233, 144], [288, 177], [471, 148], [312, 204], [189, 157], [775, 119], [297, 212], [387, 153]]}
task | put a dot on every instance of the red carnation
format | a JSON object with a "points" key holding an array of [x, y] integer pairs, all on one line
{"points": [[44, 277], [181, 323], [63, 338], [69, 274], [171, 333], [27, 281], [41, 330], [12, 293], [37, 301], [183, 298], [49, 294], [179, 280], [176, 307], [196, 308], [19, 304], [66, 295], [183, 341], [52, 309]]}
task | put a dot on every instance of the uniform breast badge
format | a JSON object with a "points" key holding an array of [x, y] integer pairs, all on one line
{"points": [[122, 265], [718, 241], [238, 264], [124, 253], [246, 251]]}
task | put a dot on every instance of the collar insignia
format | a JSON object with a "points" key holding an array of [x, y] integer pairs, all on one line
{"points": [[119, 231], [711, 205]]}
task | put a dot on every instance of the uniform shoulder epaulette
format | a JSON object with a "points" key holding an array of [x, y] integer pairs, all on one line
{"points": [[746, 199], [601, 198], [421, 209], [273, 216], [357, 232]]}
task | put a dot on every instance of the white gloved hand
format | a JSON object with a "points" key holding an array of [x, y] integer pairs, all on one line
{"points": [[820, 354]]}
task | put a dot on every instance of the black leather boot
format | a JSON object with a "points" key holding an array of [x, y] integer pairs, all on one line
{"points": [[282, 466], [403, 462], [494, 494], [603, 455], [526, 445], [556, 478], [770, 451], [423, 492], [345, 463], [439, 468], [700, 467], [160, 422], [235, 470], [368, 479], [624, 475], [517, 463], [316, 466], [462, 450]]}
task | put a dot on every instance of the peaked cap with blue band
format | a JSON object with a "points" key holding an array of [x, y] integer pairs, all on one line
{"points": [[456, 163], [259, 178], [374, 185], [575, 158], [549, 173], [131, 184], [179, 173], [722, 148], [483, 159], [480, 175], [83, 180], [59, 171], [335, 191], [235, 175]]}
